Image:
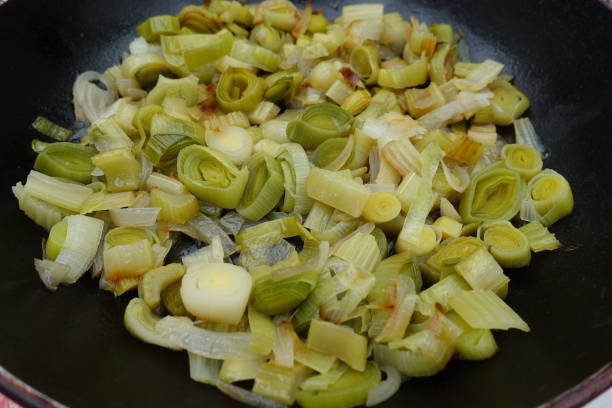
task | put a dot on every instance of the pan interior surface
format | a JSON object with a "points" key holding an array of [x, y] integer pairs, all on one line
{"points": [[72, 345]]}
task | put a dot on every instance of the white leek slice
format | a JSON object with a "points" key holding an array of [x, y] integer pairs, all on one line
{"points": [[134, 217], [387, 388], [212, 253], [248, 397], [83, 236], [216, 291], [315, 262], [90, 101], [128, 260], [51, 273], [392, 126], [141, 322], [70, 196], [447, 209], [456, 176], [207, 229], [234, 141], [526, 135], [165, 184], [481, 271], [357, 12], [181, 332], [360, 249], [486, 135], [295, 154], [483, 309], [202, 369], [466, 104], [424, 200], [480, 77], [42, 213], [234, 370], [283, 345]]}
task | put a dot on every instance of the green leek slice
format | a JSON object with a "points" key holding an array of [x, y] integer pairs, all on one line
{"points": [[158, 279], [540, 239], [239, 89], [522, 158], [48, 128], [508, 102], [494, 194], [211, 176], [153, 27], [263, 331], [279, 383], [121, 169], [365, 61], [350, 390], [264, 187], [318, 123], [282, 84], [275, 297], [199, 19], [146, 67], [335, 190], [409, 76], [507, 244], [483, 309], [255, 55], [551, 196], [481, 271], [67, 160], [339, 341], [140, 321]]}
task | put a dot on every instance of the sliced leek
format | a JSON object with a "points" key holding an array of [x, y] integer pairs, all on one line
{"points": [[551, 195], [67, 160], [508, 245], [483, 309], [264, 187], [318, 123], [216, 291], [211, 176], [239, 89], [494, 194]]}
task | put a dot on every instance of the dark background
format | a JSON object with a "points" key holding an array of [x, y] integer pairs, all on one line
{"points": [[72, 345]]}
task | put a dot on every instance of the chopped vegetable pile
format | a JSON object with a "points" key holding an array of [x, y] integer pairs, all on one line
{"points": [[351, 202]]}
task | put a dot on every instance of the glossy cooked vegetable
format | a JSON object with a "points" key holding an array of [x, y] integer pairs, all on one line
{"points": [[337, 190]]}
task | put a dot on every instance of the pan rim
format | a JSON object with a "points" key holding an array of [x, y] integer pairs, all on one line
{"points": [[577, 396]]}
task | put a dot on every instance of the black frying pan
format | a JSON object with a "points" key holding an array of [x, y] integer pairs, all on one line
{"points": [[72, 345]]}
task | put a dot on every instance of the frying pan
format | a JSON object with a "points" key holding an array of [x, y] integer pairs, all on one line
{"points": [[72, 346]]}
